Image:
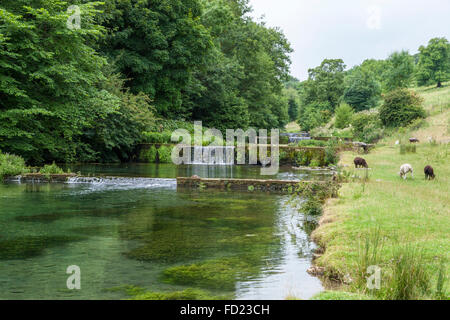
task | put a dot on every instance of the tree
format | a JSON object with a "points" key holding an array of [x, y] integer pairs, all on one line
{"points": [[321, 93], [400, 70], [344, 114], [326, 83], [362, 91], [434, 62], [49, 80], [400, 108], [156, 44], [247, 66]]}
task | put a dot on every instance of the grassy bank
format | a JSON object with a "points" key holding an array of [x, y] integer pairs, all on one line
{"points": [[401, 226]]}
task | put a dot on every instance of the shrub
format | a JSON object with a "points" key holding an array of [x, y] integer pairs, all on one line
{"points": [[331, 152], [11, 165], [148, 155], [157, 137], [367, 127], [401, 107], [344, 115], [51, 169], [165, 154]]}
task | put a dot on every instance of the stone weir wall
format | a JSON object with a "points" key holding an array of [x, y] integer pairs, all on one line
{"points": [[38, 177], [242, 184]]}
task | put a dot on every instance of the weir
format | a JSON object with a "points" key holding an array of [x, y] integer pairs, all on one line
{"points": [[242, 184]]}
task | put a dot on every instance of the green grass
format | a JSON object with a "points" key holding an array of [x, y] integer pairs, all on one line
{"points": [[412, 217], [340, 295]]}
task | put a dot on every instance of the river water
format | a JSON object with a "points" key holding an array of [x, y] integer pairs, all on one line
{"points": [[129, 226]]}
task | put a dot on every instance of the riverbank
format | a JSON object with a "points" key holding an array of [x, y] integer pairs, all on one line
{"points": [[400, 226]]}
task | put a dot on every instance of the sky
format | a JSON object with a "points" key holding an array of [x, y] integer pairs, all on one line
{"points": [[353, 30]]}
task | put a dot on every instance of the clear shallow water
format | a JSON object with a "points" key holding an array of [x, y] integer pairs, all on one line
{"points": [[138, 231]]}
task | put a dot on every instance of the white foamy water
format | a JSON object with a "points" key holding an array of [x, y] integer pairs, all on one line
{"points": [[123, 183]]}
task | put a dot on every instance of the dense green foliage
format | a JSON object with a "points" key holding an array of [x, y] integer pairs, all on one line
{"points": [[362, 90], [87, 94], [364, 87], [344, 115], [434, 62], [400, 71], [400, 108], [11, 165], [367, 127]]}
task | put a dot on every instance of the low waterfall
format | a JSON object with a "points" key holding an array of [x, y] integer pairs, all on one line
{"points": [[122, 183]]}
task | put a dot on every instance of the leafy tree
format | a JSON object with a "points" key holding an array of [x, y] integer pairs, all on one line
{"points": [[49, 80], [344, 114], [326, 83], [400, 108], [362, 91], [246, 66], [376, 68], [321, 93], [400, 70], [156, 44], [434, 62]]}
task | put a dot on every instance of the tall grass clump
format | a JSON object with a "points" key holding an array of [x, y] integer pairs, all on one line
{"points": [[408, 279], [369, 254], [11, 165], [408, 148]]}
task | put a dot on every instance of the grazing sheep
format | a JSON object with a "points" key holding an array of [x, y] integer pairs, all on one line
{"points": [[360, 162], [405, 169], [414, 140], [429, 173]]}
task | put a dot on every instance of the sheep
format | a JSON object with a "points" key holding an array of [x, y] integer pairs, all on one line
{"points": [[414, 140], [360, 162], [429, 173], [404, 170]]}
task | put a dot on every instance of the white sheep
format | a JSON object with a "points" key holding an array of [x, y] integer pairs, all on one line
{"points": [[405, 169]]}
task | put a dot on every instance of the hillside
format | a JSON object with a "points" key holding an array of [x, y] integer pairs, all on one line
{"points": [[400, 226]]}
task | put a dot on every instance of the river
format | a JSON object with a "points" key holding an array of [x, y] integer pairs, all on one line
{"points": [[130, 226]]}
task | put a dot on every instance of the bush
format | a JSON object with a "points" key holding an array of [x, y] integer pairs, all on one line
{"points": [[344, 114], [51, 169], [157, 137], [165, 154], [331, 152], [148, 155], [401, 107], [11, 165], [367, 127]]}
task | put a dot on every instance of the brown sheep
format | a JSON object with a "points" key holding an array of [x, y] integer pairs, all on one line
{"points": [[360, 162], [414, 140], [429, 173]]}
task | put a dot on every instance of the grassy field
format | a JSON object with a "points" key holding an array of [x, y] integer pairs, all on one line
{"points": [[402, 226]]}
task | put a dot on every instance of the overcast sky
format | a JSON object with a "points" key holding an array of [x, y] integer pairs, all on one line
{"points": [[353, 30]]}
